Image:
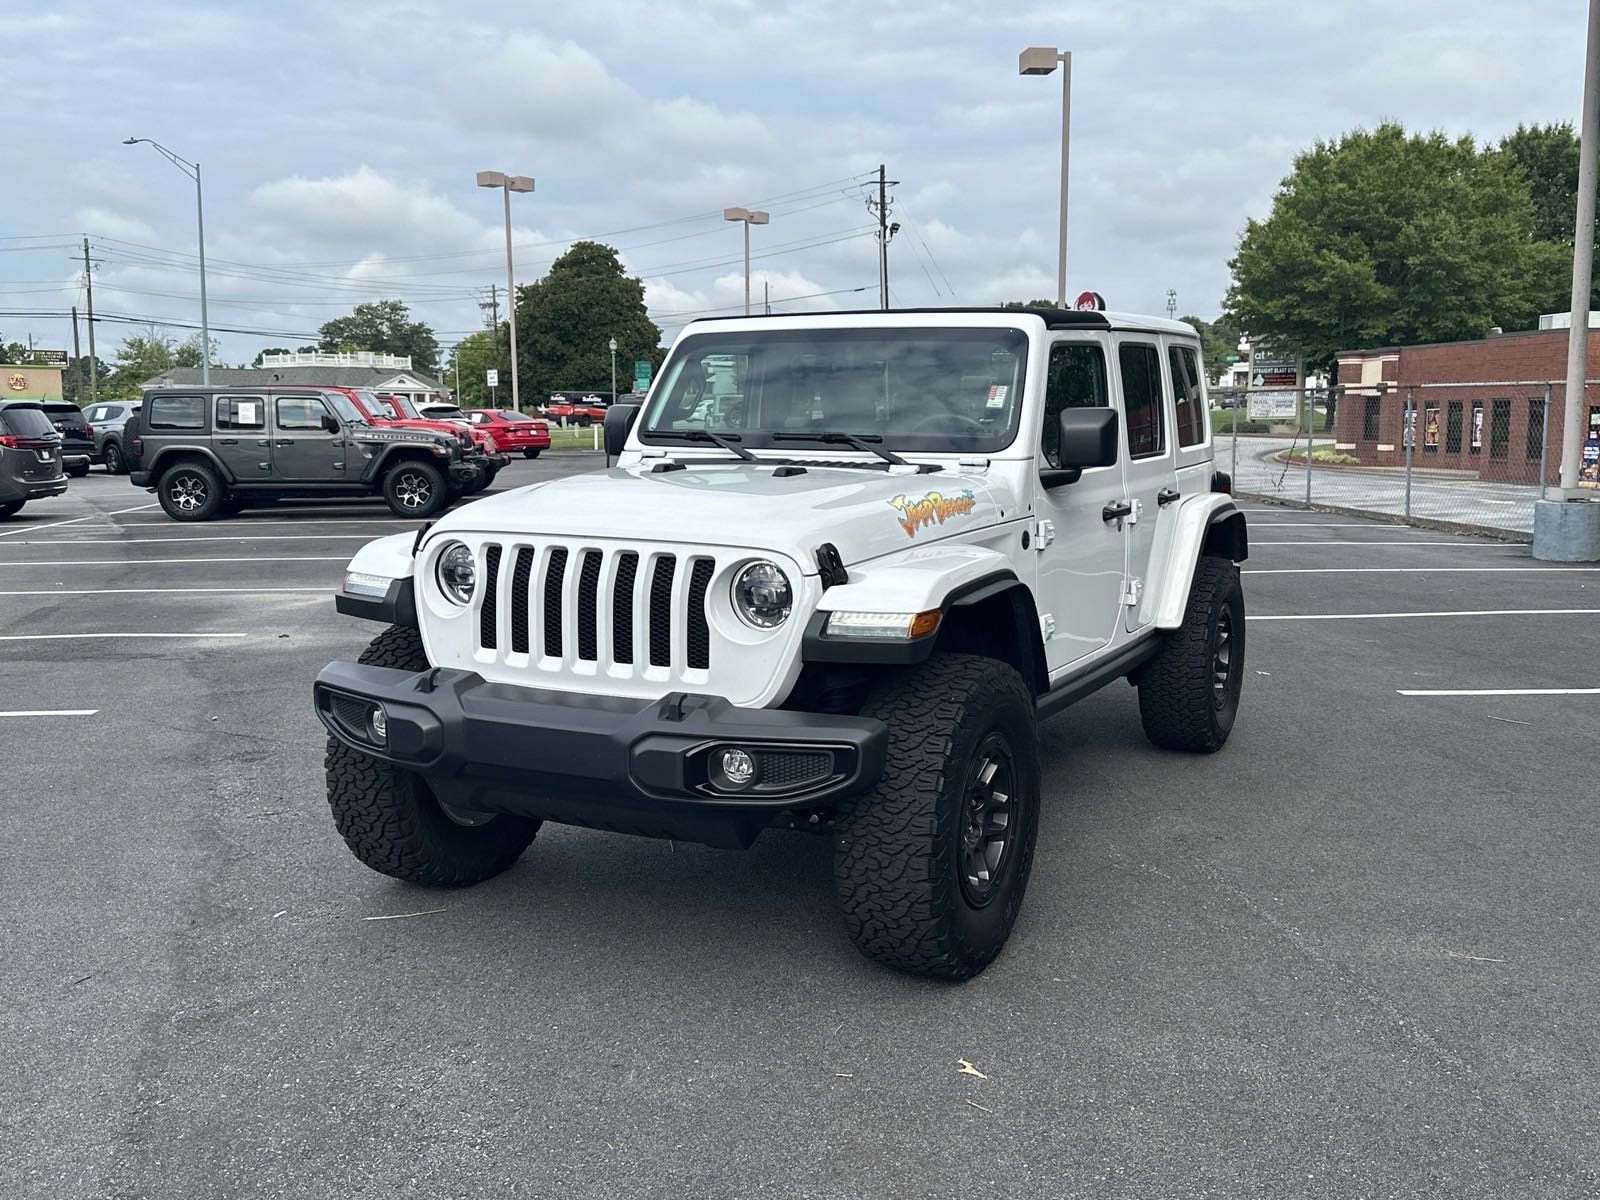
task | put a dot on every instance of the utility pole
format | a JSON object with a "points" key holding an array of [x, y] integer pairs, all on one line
{"points": [[75, 352], [880, 207], [88, 284], [766, 296]]}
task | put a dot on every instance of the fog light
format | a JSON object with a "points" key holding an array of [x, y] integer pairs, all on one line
{"points": [[734, 767], [380, 723]]}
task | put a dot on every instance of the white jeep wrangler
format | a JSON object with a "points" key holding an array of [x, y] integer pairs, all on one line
{"points": [[839, 596]]}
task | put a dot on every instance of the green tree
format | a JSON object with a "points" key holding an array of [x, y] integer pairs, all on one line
{"points": [[141, 357], [1384, 238], [1218, 339], [187, 352], [75, 378], [473, 355], [385, 326], [1547, 158], [256, 361], [565, 321], [1029, 304]]}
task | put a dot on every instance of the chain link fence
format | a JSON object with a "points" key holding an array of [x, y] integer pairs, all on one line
{"points": [[1466, 455]]}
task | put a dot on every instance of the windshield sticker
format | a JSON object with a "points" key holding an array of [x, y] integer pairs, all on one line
{"points": [[997, 395], [935, 506]]}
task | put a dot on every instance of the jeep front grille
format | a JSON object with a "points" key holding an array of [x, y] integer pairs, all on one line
{"points": [[589, 608]]}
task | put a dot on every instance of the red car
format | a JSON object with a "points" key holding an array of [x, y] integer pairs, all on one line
{"points": [[511, 430]]}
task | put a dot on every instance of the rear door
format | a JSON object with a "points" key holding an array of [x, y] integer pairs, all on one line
{"points": [[303, 449], [241, 441], [1150, 475]]}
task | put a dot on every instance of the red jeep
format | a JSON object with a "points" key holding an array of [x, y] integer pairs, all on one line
{"points": [[402, 410], [511, 430], [582, 413]]}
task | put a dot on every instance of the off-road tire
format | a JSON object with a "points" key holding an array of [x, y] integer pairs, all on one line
{"points": [[11, 508], [390, 819], [478, 483], [395, 488], [115, 463], [79, 471], [531, 452], [1182, 702], [190, 491], [898, 850]]}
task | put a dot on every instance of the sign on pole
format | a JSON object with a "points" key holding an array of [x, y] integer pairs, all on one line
{"points": [[492, 377], [641, 374]]}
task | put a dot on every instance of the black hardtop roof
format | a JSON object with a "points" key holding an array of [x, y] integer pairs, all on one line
{"points": [[246, 388]]}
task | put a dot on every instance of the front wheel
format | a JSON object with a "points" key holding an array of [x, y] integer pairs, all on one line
{"points": [[479, 482], [1189, 692], [531, 452], [931, 865], [190, 492], [392, 821], [415, 489], [114, 462]]}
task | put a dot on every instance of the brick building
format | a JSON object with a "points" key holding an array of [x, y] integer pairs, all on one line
{"points": [[1480, 405]]}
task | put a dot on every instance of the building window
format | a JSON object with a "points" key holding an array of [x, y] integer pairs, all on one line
{"points": [[1535, 440], [1475, 431], [1142, 399], [1430, 429], [1499, 427], [1452, 428], [1369, 418]]}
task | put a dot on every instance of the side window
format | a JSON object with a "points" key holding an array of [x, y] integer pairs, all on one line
{"points": [[96, 415], [1191, 399], [300, 414], [241, 412], [175, 412], [1141, 394], [1076, 379]]}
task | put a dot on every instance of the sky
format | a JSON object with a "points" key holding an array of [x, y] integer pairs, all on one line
{"points": [[338, 145]]}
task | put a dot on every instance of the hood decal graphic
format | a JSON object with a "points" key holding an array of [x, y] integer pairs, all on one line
{"points": [[935, 506]]}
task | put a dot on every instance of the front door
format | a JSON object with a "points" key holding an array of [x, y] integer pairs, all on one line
{"points": [[241, 442], [1080, 554], [1150, 472], [304, 450]]}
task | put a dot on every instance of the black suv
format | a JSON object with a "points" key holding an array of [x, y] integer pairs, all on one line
{"points": [[209, 452], [77, 438]]}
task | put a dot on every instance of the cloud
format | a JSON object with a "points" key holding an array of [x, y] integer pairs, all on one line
{"points": [[364, 208], [111, 224]]}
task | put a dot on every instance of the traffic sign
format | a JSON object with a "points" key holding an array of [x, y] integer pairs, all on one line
{"points": [[641, 374], [492, 377]]}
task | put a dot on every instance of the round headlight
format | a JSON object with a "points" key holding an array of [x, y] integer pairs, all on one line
{"points": [[762, 596], [457, 573]]}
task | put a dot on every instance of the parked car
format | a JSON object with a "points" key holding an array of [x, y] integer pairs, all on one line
{"points": [[405, 406], [476, 450], [77, 436], [108, 420], [512, 431], [582, 413], [30, 456], [208, 452]]}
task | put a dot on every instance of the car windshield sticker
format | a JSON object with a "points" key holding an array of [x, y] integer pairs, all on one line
{"points": [[246, 413], [997, 396], [935, 506]]}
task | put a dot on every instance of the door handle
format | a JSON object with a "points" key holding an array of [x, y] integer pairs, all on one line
{"points": [[285, 441], [227, 441], [1117, 511], [264, 442], [1167, 495]]}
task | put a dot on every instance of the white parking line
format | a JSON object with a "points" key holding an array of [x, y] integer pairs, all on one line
{"points": [[252, 522], [50, 712], [82, 637], [265, 537], [1502, 692], [201, 591], [75, 520], [1402, 570], [149, 562], [1315, 525], [1502, 545], [1476, 612]]}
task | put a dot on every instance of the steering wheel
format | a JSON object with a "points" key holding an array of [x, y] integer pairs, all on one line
{"points": [[943, 420]]}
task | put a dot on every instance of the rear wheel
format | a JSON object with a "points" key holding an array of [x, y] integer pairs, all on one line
{"points": [[1189, 692], [79, 471], [114, 462], [11, 508], [415, 489], [190, 492], [531, 452], [931, 865], [392, 821]]}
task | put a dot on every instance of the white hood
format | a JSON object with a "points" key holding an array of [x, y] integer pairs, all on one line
{"points": [[864, 512]]}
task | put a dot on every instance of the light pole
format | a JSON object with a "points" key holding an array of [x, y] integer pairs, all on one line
{"points": [[750, 216], [1041, 60], [192, 170], [613, 344], [508, 184]]}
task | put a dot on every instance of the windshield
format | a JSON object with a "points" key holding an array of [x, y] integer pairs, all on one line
{"points": [[345, 407], [445, 412], [953, 391], [401, 405], [506, 415], [25, 422]]}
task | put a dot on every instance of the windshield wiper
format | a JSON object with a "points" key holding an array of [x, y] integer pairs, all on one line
{"points": [[728, 441], [867, 443]]}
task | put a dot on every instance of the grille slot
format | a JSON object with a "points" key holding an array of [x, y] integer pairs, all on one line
{"points": [[488, 617], [622, 607], [352, 714], [699, 637], [661, 611], [520, 571], [554, 576], [588, 599], [781, 769]]}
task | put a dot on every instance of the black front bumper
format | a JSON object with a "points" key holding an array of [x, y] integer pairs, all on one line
{"points": [[603, 762]]}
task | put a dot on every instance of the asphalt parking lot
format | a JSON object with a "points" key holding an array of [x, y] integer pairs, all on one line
{"points": [[1352, 955]]}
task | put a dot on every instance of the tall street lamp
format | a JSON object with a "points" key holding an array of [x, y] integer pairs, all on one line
{"points": [[192, 170], [750, 216], [613, 344], [508, 184], [1041, 60]]}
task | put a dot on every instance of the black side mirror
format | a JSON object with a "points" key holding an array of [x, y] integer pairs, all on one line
{"points": [[1086, 437], [330, 423], [618, 425]]}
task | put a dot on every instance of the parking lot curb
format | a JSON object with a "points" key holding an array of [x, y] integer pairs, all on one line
{"points": [[1510, 536]]}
